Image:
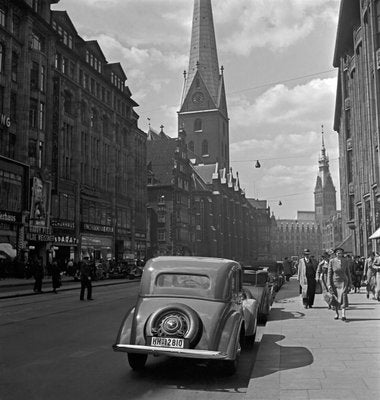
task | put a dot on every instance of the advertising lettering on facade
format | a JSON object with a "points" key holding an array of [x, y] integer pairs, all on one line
{"points": [[97, 228], [56, 223], [65, 240], [5, 120], [8, 216]]}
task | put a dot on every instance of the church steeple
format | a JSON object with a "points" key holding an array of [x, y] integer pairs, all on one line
{"points": [[203, 52], [203, 112]]}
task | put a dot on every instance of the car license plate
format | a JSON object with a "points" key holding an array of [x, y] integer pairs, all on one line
{"points": [[175, 343]]}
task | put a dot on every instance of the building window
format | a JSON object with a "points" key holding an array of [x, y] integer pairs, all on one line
{"points": [[2, 58], [2, 15], [83, 112], [94, 118], [33, 114], [36, 42], [105, 125], [198, 125], [36, 5], [191, 146], [41, 118], [13, 107], [32, 152], [204, 148], [34, 76], [67, 102], [42, 78], [1, 99], [40, 154], [14, 66], [16, 25]]}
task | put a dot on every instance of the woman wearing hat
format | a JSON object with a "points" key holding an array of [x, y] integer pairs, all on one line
{"points": [[321, 275], [339, 282]]}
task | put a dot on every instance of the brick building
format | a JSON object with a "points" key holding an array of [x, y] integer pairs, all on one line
{"points": [[73, 125]]}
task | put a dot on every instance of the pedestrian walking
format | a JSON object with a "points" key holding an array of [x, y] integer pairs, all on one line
{"points": [[86, 278], [321, 274], [307, 269], [358, 274], [369, 275], [38, 274], [339, 282], [376, 267], [55, 276], [288, 270]]}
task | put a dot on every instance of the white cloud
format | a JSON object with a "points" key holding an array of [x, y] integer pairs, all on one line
{"points": [[298, 107], [274, 24]]}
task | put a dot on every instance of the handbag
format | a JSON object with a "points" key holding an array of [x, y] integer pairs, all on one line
{"points": [[318, 288], [330, 299]]}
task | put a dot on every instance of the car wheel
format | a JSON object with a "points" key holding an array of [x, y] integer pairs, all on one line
{"points": [[176, 320], [137, 361]]}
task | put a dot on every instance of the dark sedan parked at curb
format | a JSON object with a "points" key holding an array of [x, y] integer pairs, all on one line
{"points": [[189, 307], [257, 283]]}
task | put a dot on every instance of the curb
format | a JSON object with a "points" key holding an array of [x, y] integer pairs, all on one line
{"points": [[63, 289]]}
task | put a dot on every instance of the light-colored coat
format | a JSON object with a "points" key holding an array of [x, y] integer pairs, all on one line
{"points": [[301, 275], [339, 279]]}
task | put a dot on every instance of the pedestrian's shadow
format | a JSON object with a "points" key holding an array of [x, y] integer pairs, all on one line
{"points": [[279, 358], [361, 319], [278, 314]]}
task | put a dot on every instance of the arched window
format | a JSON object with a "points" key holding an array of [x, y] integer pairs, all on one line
{"points": [[67, 102], [204, 148], [198, 124], [191, 146]]}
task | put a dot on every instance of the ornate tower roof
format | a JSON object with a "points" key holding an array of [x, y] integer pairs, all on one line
{"points": [[203, 52]]}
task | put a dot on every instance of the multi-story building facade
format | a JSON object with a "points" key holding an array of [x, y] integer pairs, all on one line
{"points": [[357, 57], [291, 237], [72, 124]]}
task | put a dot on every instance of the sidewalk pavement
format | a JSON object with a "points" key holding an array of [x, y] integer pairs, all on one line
{"points": [[306, 354], [13, 287]]}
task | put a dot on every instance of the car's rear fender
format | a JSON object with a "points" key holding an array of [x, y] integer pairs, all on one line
{"points": [[125, 330]]}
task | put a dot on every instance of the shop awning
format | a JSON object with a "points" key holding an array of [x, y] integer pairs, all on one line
{"points": [[347, 244], [376, 234]]}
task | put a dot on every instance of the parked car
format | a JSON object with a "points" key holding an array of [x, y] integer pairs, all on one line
{"points": [[276, 275], [189, 307], [257, 283]]}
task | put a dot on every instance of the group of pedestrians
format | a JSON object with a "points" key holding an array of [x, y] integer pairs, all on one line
{"points": [[37, 270], [335, 276]]}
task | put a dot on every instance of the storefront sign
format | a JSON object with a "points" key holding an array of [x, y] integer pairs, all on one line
{"points": [[97, 228], [56, 223], [7, 216], [71, 240], [97, 241], [36, 237], [123, 231], [43, 230]]}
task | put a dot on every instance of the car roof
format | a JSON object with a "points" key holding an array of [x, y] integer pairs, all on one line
{"points": [[217, 269]]}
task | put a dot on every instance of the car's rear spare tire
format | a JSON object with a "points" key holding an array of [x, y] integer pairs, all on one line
{"points": [[175, 320], [137, 361]]}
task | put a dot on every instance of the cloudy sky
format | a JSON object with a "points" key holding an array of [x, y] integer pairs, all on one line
{"points": [[280, 82]]}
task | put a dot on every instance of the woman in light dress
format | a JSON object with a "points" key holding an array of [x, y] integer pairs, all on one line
{"points": [[321, 274], [339, 281]]}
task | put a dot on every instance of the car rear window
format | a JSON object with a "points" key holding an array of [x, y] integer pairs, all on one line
{"points": [[167, 280], [254, 278]]}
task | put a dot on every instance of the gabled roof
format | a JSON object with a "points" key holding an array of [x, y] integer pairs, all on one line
{"points": [[63, 18], [93, 45], [205, 172], [117, 68]]}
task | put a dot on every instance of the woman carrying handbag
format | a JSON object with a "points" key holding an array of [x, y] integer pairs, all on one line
{"points": [[339, 282]]}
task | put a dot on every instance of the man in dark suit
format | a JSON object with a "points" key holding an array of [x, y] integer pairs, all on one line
{"points": [[85, 278]]}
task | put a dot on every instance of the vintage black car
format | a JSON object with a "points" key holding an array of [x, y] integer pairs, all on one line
{"points": [[190, 307]]}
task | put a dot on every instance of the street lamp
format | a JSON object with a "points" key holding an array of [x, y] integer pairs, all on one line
{"points": [[257, 165]]}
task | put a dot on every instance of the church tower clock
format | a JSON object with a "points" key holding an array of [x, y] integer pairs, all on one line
{"points": [[203, 113]]}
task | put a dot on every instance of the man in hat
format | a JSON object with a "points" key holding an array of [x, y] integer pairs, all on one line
{"points": [[85, 278], [307, 268]]}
